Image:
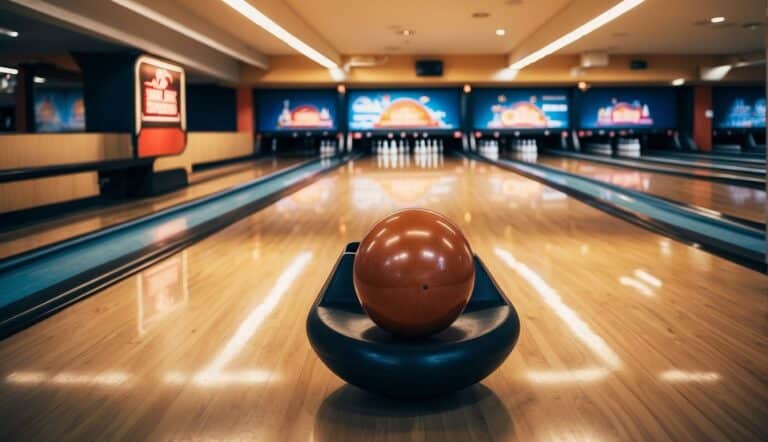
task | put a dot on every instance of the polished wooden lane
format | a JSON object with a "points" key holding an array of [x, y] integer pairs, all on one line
{"points": [[202, 183], [626, 335], [737, 201]]}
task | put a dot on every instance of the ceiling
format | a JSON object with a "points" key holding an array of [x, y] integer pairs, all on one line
{"points": [[230, 21], [681, 27], [439, 26], [208, 33], [354, 27]]}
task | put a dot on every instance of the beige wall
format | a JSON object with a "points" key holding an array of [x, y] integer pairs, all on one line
{"points": [[32, 150], [206, 147], [35, 150], [289, 70], [19, 195]]}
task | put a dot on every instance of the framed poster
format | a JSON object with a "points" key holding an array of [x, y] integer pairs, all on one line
{"points": [[520, 109], [296, 110], [403, 109], [161, 111]]}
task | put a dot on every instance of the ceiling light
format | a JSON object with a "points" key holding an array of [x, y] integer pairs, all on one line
{"points": [[39, 80], [715, 73], [717, 19], [678, 82], [341, 89], [337, 74], [583, 86], [5, 70], [257, 17], [9, 32], [506, 74], [467, 88], [606, 17], [406, 32], [501, 32]]}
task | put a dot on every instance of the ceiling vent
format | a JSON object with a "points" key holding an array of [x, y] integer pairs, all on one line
{"points": [[594, 60]]}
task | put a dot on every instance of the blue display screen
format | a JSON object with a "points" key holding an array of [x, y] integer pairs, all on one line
{"points": [[403, 109], [59, 110], [296, 110], [738, 107], [612, 108], [500, 109]]}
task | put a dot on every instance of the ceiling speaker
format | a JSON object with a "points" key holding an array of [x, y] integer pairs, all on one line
{"points": [[429, 68]]}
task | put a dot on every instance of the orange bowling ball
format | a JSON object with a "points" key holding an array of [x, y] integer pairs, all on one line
{"points": [[414, 273]]}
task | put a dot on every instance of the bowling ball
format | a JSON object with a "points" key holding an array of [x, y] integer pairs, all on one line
{"points": [[414, 273]]}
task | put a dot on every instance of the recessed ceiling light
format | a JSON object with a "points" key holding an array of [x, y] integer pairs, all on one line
{"points": [[9, 32], [406, 32], [501, 32], [481, 15], [717, 19], [678, 82]]}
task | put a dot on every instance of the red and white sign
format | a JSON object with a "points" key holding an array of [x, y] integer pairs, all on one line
{"points": [[161, 114]]}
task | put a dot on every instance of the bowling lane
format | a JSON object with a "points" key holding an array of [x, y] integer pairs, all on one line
{"points": [[683, 168], [732, 200], [706, 163], [740, 158], [28, 237], [625, 333]]}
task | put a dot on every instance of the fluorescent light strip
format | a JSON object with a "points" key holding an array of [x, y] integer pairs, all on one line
{"points": [[261, 20], [9, 32], [606, 17], [5, 70], [191, 33]]}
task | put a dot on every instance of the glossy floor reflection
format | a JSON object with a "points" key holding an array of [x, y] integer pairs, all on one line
{"points": [[625, 334]]}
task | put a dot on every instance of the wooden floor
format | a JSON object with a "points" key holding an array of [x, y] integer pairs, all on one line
{"points": [[19, 240], [626, 335], [737, 201]]}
